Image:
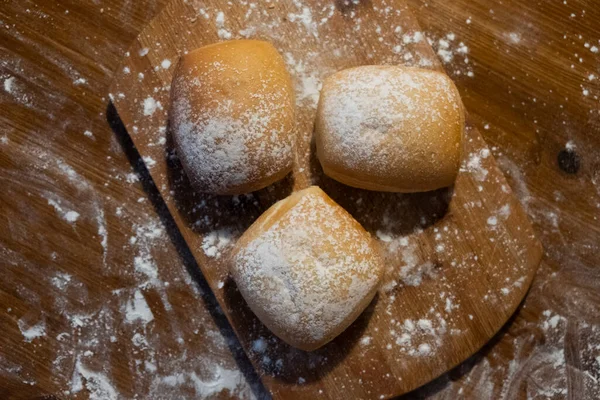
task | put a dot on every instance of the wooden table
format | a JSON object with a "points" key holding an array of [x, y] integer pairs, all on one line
{"points": [[83, 233]]}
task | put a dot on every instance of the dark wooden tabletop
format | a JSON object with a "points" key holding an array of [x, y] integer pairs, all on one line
{"points": [[83, 232]]}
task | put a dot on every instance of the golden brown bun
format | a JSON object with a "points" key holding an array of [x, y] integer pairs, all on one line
{"points": [[306, 268], [232, 116], [391, 129]]}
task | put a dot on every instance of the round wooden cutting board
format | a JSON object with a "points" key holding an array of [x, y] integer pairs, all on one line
{"points": [[459, 260]]}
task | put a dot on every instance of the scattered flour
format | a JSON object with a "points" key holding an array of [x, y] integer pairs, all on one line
{"points": [[504, 211], [308, 84], [137, 309], [215, 242], [424, 349], [259, 345], [220, 24], [418, 338], [415, 37], [145, 265], [248, 32], [61, 280], [551, 321], [31, 332], [98, 384], [221, 380], [8, 84], [474, 165], [304, 18], [366, 340], [149, 161], [514, 37], [101, 221], [454, 53], [151, 105], [384, 237], [132, 177], [69, 216], [412, 271], [17, 93]]}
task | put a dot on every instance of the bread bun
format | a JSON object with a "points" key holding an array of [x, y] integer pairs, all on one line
{"points": [[306, 268], [389, 128], [232, 116]]}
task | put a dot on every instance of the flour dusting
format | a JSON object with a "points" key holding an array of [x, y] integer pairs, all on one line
{"points": [[137, 309], [98, 384], [151, 105], [31, 332], [8, 84], [68, 215], [216, 241]]}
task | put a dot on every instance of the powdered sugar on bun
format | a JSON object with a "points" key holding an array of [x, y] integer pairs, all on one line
{"points": [[306, 268], [232, 116], [390, 128]]}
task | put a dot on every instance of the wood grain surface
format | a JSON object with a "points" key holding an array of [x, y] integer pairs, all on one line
{"points": [[523, 79], [459, 260]]}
